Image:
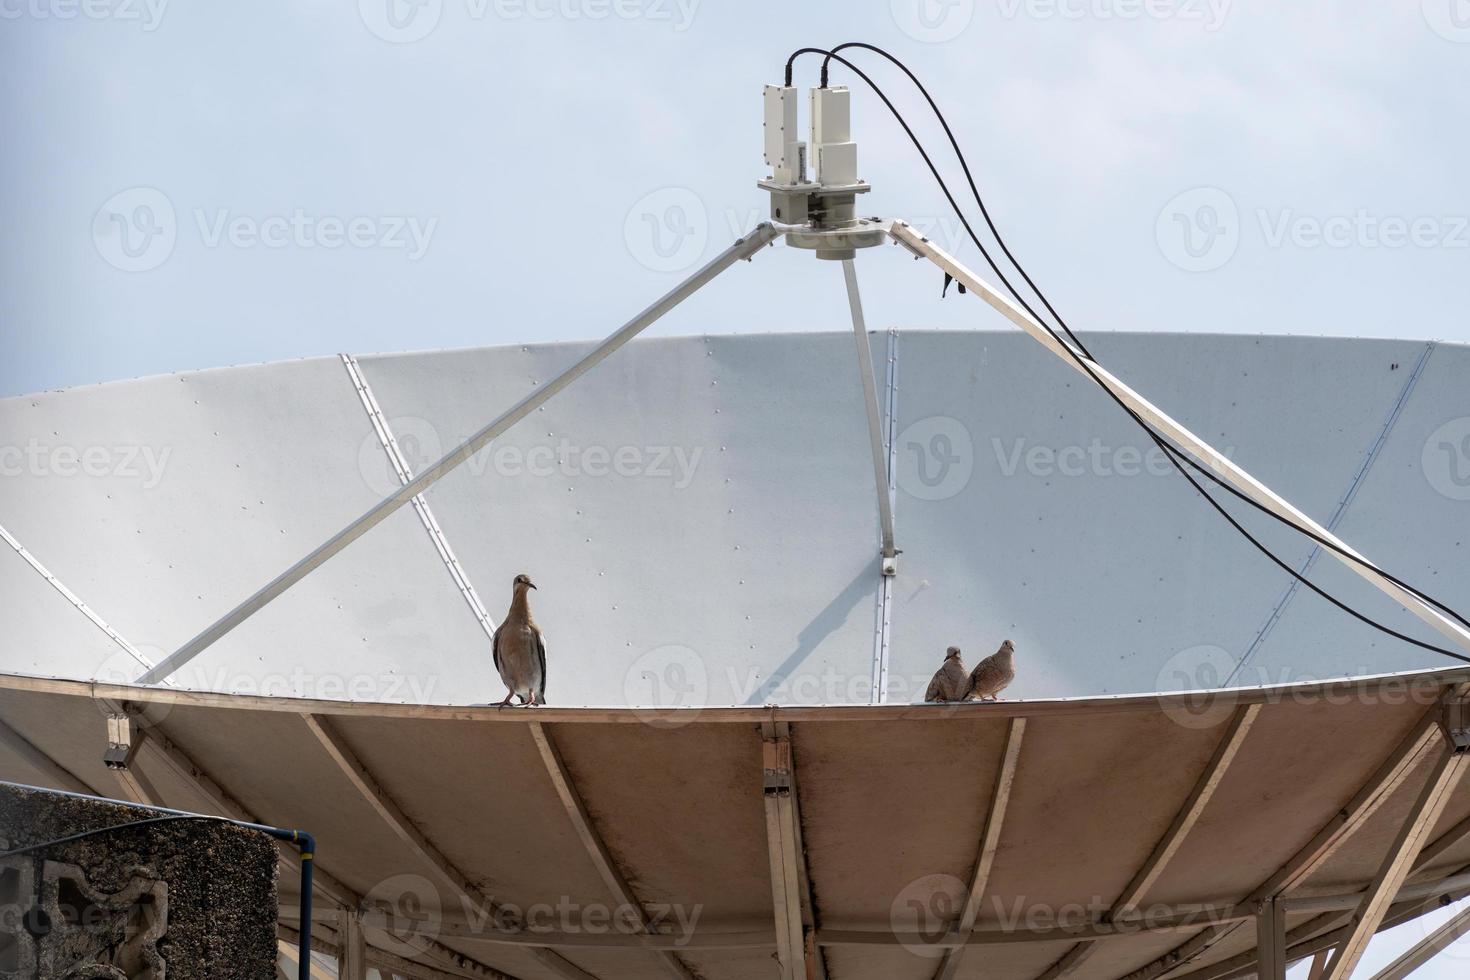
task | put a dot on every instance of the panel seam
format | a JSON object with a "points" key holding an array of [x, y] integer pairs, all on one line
{"points": [[405, 474], [1359, 478], [77, 603], [884, 613]]}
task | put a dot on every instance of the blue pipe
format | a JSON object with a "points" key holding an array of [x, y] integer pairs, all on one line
{"points": [[305, 845]]}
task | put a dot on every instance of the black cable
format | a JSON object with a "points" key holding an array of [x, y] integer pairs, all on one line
{"points": [[1082, 358], [934, 170], [107, 830], [964, 166], [979, 200]]}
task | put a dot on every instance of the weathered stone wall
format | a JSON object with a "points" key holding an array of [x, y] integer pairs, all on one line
{"points": [[189, 900]]}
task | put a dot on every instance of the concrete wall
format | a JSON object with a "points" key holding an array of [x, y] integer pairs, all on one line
{"points": [[699, 515], [189, 900]]}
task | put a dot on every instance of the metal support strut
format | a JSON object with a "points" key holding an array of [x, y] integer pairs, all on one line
{"points": [[875, 420], [1222, 465], [761, 236]]}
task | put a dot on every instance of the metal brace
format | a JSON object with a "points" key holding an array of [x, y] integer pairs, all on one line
{"points": [[776, 755], [1456, 724], [121, 746]]}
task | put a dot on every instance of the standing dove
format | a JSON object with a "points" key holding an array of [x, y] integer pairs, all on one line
{"points": [[520, 650], [951, 680], [993, 674]]}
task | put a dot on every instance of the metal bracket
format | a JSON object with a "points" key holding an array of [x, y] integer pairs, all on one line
{"points": [[776, 770], [121, 746], [1456, 724]]}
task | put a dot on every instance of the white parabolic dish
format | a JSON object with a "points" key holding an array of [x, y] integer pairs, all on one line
{"points": [[700, 517]]}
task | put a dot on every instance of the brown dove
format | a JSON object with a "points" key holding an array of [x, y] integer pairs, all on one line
{"points": [[993, 674], [951, 681], [519, 649]]}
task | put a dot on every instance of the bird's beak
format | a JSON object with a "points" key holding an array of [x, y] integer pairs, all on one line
{"points": [[532, 585]]}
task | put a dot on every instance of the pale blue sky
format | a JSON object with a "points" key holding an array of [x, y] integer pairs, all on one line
{"points": [[532, 170]]}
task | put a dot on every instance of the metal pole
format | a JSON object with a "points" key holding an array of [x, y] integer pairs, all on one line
{"points": [[1397, 864], [916, 243], [307, 845], [743, 248], [1271, 940], [1426, 949], [875, 421]]}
